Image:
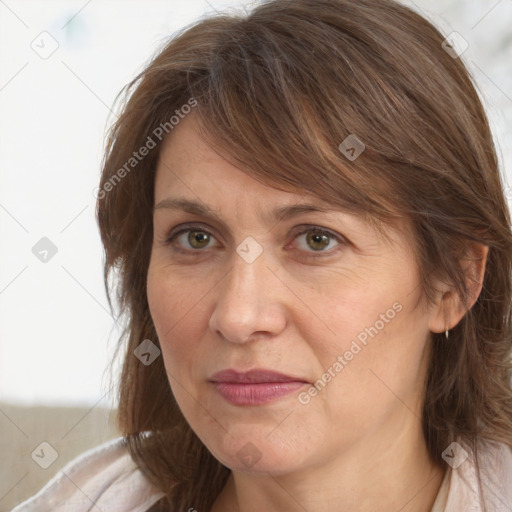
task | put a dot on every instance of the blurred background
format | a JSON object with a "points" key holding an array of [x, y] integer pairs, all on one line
{"points": [[62, 63]]}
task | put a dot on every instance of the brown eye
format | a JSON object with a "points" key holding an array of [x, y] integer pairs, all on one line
{"points": [[190, 240], [198, 239], [317, 241]]}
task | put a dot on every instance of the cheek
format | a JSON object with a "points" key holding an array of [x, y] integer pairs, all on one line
{"points": [[371, 322], [360, 307], [179, 318]]}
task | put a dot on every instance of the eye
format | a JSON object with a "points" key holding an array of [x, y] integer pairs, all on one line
{"points": [[316, 239], [312, 239], [191, 238]]}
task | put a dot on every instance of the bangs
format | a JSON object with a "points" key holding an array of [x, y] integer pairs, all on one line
{"points": [[260, 107]]}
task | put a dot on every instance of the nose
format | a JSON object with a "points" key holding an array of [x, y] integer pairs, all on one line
{"points": [[250, 302]]}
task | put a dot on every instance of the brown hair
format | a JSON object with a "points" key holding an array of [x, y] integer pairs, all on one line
{"points": [[277, 91]]}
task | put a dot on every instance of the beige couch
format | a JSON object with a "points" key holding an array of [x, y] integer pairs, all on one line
{"points": [[26, 464]]}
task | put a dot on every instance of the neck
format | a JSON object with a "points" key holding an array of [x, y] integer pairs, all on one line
{"points": [[391, 473]]}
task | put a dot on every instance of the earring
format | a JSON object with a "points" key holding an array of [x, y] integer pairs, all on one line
{"points": [[446, 334]]}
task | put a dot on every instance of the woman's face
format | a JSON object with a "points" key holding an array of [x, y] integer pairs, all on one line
{"points": [[317, 296]]}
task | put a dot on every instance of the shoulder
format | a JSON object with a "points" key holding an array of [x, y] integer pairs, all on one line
{"points": [[460, 489], [496, 471], [104, 478]]}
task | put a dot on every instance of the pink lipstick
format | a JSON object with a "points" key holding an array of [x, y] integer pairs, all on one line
{"points": [[255, 387]]}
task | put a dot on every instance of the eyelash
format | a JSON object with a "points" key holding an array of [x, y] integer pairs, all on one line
{"points": [[315, 254]]}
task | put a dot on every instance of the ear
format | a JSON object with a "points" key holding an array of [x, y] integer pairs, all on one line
{"points": [[449, 308]]}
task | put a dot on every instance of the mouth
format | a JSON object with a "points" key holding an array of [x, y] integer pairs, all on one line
{"points": [[255, 387]]}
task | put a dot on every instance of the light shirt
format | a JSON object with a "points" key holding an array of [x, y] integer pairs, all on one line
{"points": [[460, 491], [106, 479]]}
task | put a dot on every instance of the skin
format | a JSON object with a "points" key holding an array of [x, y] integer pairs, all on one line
{"points": [[358, 444]]}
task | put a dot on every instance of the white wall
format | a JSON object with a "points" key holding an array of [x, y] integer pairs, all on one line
{"points": [[56, 334]]}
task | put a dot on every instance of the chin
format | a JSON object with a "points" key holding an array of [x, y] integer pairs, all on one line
{"points": [[253, 452]]}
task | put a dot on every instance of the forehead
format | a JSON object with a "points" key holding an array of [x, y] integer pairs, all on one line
{"points": [[190, 171], [187, 163]]}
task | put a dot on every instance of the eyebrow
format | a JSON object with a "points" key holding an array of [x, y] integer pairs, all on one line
{"points": [[277, 215]]}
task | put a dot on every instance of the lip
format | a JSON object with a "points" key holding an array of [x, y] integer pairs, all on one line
{"points": [[256, 376], [255, 387]]}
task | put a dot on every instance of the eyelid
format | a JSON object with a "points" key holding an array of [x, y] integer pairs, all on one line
{"points": [[183, 228], [307, 228]]}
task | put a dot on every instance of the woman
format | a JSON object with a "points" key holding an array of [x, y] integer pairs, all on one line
{"points": [[314, 257]]}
